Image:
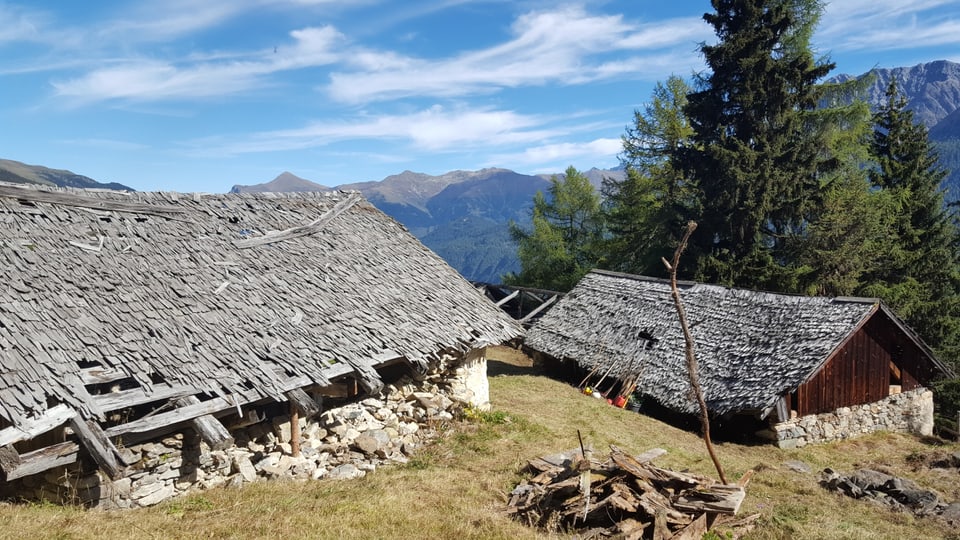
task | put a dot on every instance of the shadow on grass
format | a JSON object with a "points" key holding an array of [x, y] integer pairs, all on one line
{"points": [[498, 367]]}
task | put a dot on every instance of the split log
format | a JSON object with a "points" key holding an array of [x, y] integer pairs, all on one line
{"points": [[304, 403], [211, 431], [718, 499], [43, 459], [9, 458], [625, 497], [102, 451]]}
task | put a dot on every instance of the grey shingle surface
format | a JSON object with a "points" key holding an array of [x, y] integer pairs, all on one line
{"points": [[170, 295], [751, 346]]}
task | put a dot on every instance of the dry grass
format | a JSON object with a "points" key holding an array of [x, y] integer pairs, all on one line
{"points": [[457, 489]]}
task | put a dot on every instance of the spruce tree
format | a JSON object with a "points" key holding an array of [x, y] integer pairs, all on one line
{"points": [[919, 274], [754, 158]]}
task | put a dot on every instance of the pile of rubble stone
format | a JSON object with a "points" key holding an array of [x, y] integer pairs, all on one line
{"points": [[623, 497], [895, 493], [341, 442]]}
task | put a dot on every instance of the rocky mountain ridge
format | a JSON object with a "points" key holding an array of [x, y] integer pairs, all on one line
{"points": [[17, 172]]}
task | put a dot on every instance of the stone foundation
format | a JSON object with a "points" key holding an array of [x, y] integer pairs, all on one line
{"points": [[342, 442], [909, 412]]}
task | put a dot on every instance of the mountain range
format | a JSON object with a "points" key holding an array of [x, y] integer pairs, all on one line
{"points": [[16, 172], [463, 215], [460, 215]]}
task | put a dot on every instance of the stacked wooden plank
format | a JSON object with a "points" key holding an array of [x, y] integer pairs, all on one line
{"points": [[623, 497]]}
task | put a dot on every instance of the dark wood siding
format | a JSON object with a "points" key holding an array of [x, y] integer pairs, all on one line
{"points": [[860, 371]]}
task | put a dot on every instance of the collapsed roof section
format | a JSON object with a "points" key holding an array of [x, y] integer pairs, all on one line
{"points": [[233, 298]]}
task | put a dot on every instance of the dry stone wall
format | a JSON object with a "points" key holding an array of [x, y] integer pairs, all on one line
{"points": [[908, 412], [343, 442]]}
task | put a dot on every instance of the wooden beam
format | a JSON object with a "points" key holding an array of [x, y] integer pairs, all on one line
{"points": [[303, 230], [98, 445], [83, 201], [540, 308], [112, 401], [101, 375], [508, 298], [215, 434], [44, 459], [215, 405], [303, 402], [30, 428]]}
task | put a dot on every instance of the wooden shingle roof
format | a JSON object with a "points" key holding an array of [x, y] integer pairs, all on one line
{"points": [[194, 291], [752, 347]]}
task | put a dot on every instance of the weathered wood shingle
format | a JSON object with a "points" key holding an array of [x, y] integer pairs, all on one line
{"points": [[752, 347], [160, 287]]}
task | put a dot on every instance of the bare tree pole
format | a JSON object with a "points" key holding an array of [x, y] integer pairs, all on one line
{"points": [[692, 370]]}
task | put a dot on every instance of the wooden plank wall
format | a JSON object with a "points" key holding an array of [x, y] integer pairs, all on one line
{"points": [[860, 371]]}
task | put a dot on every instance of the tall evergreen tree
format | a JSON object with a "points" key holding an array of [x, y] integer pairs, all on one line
{"points": [[647, 212], [755, 157], [919, 274], [567, 228], [844, 233]]}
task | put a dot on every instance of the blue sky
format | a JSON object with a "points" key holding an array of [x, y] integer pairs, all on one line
{"points": [[194, 95]]}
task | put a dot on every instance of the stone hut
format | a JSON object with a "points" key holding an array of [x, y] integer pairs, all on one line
{"points": [[814, 369], [152, 343]]}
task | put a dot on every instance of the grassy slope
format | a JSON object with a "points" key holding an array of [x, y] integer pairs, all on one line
{"points": [[457, 489]]}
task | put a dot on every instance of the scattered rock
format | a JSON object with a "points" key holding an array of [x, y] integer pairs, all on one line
{"points": [[797, 466], [897, 493]]}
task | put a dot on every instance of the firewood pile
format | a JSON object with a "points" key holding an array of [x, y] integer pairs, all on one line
{"points": [[623, 497]]}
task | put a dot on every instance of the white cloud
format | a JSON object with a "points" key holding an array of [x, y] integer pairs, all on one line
{"points": [[565, 46], [436, 129], [850, 25], [595, 150], [19, 25], [150, 80]]}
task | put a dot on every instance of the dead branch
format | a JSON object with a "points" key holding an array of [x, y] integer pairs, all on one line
{"points": [[692, 368]]}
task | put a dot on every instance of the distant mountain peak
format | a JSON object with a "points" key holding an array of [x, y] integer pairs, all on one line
{"points": [[21, 173], [932, 88], [286, 181]]}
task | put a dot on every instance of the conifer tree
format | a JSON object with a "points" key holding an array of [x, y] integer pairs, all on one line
{"points": [[919, 272], [647, 212], [567, 228], [754, 157]]}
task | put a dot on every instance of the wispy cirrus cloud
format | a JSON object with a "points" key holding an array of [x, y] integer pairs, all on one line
{"points": [[566, 46], [596, 149], [19, 24], [852, 25], [153, 80], [435, 129]]}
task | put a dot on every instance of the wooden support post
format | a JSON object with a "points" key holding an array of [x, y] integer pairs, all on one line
{"points": [[207, 426], [303, 402], [98, 445], [9, 459], [294, 430]]}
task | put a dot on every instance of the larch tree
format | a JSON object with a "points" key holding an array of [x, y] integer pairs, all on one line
{"points": [[647, 212], [563, 243]]}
